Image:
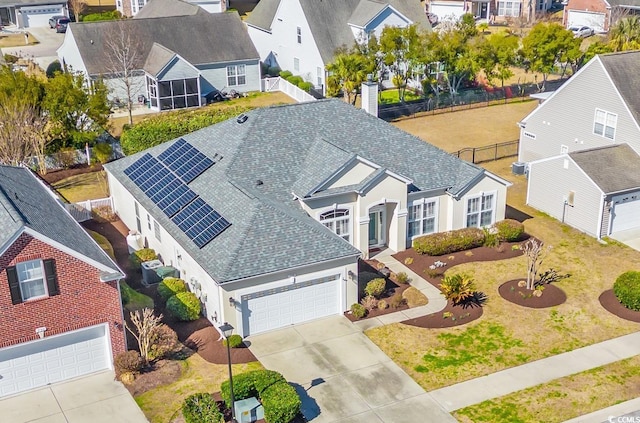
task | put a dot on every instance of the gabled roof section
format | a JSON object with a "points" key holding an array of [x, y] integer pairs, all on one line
{"points": [[613, 168], [631, 4], [164, 8], [157, 59], [623, 70], [365, 12], [199, 39], [26, 204]]}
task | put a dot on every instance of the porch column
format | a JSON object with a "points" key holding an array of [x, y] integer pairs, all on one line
{"points": [[362, 240]]}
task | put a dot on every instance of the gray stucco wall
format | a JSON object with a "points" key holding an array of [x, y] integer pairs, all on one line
{"points": [[568, 117], [549, 186], [117, 88], [216, 75]]}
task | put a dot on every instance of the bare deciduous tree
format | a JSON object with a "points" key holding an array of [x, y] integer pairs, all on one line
{"points": [[124, 60], [77, 7], [145, 325], [23, 133], [535, 252]]}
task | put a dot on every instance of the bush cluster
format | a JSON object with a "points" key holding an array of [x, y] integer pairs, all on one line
{"points": [[280, 400], [442, 243], [296, 80], [142, 255], [184, 306], [128, 362], [170, 287], [234, 341], [375, 287], [201, 408], [167, 126], [509, 230], [113, 15], [358, 310], [164, 342], [102, 152], [627, 290]]}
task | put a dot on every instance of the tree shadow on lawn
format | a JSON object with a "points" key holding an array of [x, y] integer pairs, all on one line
{"points": [[515, 214]]}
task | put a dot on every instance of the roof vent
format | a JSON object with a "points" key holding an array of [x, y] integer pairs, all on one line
{"points": [[242, 118], [259, 182], [91, 41]]}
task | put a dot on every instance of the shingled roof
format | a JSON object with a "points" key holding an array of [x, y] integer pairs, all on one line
{"points": [[623, 69], [25, 203], [269, 231], [329, 19], [200, 39], [613, 168], [165, 8]]}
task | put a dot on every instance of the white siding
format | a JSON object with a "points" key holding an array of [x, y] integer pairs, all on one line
{"points": [[117, 88], [216, 75], [387, 18], [353, 175], [485, 185], [69, 54]]}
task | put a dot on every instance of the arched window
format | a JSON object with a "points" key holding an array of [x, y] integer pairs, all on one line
{"points": [[338, 222]]}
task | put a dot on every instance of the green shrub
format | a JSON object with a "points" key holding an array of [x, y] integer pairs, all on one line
{"points": [[234, 341], [167, 126], [184, 306], [376, 287], [201, 408], [273, 70], [358, 311], [457, 288], [103, 152], [295, 79], [53, 68], [10, 58], [509, 230], [627, 290], [402, 278], [396, 301], [170, 287], [250, 384], [491, 238], [285, 74], [382, 305], [104, 16], [128, 362], [449, 242], [281, 403], [142, 255], [304, 85]]}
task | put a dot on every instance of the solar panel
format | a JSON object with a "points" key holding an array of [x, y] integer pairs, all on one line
{"points": [[200, 222], [185, 160]]}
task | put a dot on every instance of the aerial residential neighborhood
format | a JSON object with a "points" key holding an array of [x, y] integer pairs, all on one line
{"points": [[290, 211]]}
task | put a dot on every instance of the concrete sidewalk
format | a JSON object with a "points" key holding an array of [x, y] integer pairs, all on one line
{"points": [[625, 412], [531, 374]]}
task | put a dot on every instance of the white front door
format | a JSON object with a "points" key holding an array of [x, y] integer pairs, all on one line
{"points": [[53, 359], [377, 227]]}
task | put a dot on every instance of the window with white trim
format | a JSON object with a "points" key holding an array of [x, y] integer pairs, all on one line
{"points": [[480, 210], [296, 64], [338, 222], [509, 8], [604, 124], [299, 34], [236, 75], [422, 218], [31, 277]]}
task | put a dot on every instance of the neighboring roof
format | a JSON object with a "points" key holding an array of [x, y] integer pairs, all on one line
{"points": [[269, 232], [633, 4], [165, 8], [200, 39], [21, 3], [26, 203], [623, 69], [159, 56], [329, 19], [365, 11], [613, 168]]}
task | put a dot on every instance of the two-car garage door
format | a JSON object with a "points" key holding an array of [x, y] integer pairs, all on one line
{"points": [[291, 304], [35, 16], [593, 20], [53, 359]]}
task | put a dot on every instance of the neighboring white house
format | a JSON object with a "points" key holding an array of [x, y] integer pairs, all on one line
{"points": [[29, 14], [163, 8], [301, 36], [590, 114], [267, 215], [176, 63], [487, 10]]}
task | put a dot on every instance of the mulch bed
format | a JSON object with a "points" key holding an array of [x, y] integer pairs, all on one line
{"points": [[551, 295], [57, 175], [610, 302], [163, 372], [449, 317]]}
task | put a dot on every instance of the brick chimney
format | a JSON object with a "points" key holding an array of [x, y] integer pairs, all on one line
{"points": [[370, 96]]}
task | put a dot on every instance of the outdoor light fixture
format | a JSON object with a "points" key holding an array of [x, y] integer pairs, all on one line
{"points": [[352, 275], [232, 301], [40, 331], [227, 330]]}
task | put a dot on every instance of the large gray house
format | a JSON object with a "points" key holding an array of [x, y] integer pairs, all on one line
{"points": [[178, 61], [266, 215], [582, 144]]}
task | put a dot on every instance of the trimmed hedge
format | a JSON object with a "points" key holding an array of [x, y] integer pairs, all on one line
{"points": [[235, 341], [442, 243], [184, 306], [113, 15], [142, 255], [167, 126], [627, 290], [280, 400], [170, 287], [201, 408], [509, 230]]}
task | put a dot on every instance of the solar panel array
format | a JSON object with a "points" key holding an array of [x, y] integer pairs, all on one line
{"points": [[186, 161], [164, 180]]}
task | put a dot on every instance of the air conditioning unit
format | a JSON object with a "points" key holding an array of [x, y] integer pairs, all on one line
{"points": [[149, 274], [518, 168]]}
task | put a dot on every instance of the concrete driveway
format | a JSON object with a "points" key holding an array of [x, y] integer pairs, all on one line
{"points": [[44, 52], [92, 399], [629, 237], [343, 377]]}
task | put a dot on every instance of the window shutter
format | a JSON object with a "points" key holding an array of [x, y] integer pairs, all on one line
{"points": [[14, 285], [52, 277]]}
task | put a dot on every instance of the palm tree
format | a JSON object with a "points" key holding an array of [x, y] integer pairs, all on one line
{"points": [[625, 35], [347, 72]]}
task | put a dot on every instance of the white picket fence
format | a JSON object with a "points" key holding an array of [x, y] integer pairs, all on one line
{"points": [[82, 210], [279, 84]]}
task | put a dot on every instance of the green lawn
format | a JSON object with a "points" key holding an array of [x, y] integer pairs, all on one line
{"points": [[103, 243], [134, 300], [86, 186], [392, 96]]}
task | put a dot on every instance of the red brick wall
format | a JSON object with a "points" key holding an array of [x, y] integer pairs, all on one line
{"points": [[83, 300]]}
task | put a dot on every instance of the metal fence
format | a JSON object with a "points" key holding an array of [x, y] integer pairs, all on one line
{"points": [[489, 153], [465, 99], [83, 210]]}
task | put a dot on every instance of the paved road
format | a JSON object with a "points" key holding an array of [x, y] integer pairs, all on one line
{"points": [[44, 52]]}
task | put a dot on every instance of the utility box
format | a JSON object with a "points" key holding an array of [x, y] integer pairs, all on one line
{"points": [[248, 410], [149, 275], [167, 272], [518, 168]]}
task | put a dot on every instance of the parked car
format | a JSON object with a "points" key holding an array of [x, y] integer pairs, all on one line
{"points": [[581, 31], [59, 23]]}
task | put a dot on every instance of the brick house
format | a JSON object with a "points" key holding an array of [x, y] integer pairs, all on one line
{"points": [[600, 15], [60, 303]]}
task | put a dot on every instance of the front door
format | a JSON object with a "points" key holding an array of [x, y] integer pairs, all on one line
{"points": [[483, 10], [377, 235]]}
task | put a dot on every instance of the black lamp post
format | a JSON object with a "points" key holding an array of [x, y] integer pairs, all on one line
{"points": [[227, 331]]}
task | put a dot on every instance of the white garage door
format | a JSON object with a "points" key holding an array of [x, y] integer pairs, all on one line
{"points": [[446, 11], [53, 359], [626, 213], [296, 303], [39, 16], [591, 19]]}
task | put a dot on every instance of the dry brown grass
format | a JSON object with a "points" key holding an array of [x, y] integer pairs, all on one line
{"points": [[16, 40]]}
